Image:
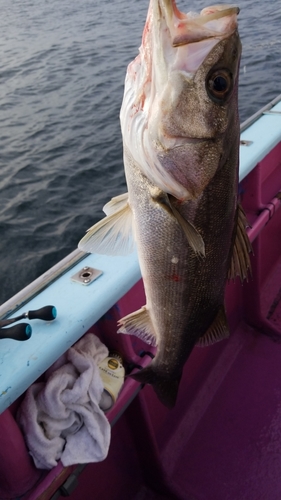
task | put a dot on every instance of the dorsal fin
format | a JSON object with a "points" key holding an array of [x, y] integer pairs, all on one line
{"points": [[217, 331], [240, 261]]}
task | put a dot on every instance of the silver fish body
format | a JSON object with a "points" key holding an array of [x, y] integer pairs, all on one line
{"points": [[180, 129], [184, 291]]}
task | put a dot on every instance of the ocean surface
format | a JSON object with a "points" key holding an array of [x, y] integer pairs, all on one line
{"points": [[62, 69]]}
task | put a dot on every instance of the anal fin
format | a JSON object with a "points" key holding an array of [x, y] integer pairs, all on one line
{"points": [[217, 331], [240, 261], [139, 324]]}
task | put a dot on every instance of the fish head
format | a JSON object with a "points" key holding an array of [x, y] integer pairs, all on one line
{"points": [[179, 116]]}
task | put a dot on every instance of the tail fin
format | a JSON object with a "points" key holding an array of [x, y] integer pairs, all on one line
{"points": [[166, 389]]}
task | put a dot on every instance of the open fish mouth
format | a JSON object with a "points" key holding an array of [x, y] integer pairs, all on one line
{"points": [[167, 29], [191, 28]]}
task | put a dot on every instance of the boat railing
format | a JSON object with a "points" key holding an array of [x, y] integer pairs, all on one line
{"points": [[266, 109]]}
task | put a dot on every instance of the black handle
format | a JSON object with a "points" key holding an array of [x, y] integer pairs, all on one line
{"points": [[47, 313], [19, 332]]}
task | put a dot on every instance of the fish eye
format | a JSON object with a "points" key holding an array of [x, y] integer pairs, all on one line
{"points": [[219, 84]]}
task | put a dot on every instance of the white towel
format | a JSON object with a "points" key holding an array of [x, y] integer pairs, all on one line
{"points": [[61, 418]]}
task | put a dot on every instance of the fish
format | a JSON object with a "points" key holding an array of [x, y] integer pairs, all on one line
{"points": [[180, 127]]}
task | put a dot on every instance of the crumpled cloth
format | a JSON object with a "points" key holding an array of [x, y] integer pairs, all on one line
{"points": [[61, 418]]}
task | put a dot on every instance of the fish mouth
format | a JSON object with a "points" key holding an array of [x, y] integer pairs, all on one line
{"points": [[217, 21], [196, 140], [169, 143]]}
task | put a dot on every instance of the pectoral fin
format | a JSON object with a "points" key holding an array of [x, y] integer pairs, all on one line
{"points": [[193, 237], [112, 235], [217, 331], [139, 324], [240, 261]]}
